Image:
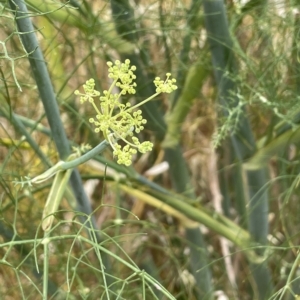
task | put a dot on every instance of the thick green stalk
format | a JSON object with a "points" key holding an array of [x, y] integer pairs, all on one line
{"points": [[41, 75], [47, 95], [70, 163], [198, 213], [199, 265], [243, 140], [44, 84]]}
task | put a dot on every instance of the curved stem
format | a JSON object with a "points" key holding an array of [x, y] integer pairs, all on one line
{"points": [[65, 165]]}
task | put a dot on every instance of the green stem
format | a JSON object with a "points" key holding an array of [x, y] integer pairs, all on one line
{"points": [[65, 165], [290, 277], [144, 101], [42, 78], [46, 266], [21, 128], [243, 141], [109, 93]]}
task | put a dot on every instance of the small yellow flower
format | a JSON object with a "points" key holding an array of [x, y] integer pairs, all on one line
{"points": [[119, 121]]}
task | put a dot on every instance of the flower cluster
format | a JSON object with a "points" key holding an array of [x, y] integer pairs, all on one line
{"points": [[119, 121], [167, 86]]}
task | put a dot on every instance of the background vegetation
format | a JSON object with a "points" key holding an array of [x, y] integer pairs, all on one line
{"points": [[213, 211]]}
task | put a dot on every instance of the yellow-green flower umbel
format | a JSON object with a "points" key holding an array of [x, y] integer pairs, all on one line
{"points": [[119, 121]]}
